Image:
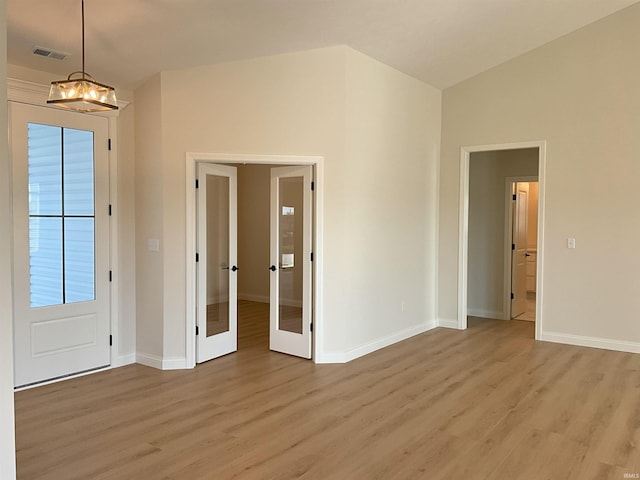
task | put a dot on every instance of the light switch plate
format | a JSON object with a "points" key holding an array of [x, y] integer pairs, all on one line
{"points": [[571, 243], [153, 244]]}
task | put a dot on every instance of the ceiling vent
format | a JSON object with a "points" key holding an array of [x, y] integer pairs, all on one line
{"points": [[47, 52]]}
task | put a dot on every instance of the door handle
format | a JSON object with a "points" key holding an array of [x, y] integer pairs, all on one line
{"points": [[527, 254], [273, 268], [233, 269]]}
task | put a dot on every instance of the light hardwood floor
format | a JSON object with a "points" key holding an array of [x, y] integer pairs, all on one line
{"points": [[486, 403]]}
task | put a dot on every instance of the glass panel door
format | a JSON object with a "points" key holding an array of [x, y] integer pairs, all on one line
{"points": [[217, 261], [61, 239], [290, 297]]}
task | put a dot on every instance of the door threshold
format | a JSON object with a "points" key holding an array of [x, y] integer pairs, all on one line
{"points": [[61, 378]]}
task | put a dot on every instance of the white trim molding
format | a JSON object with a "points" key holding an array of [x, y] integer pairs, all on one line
{"points": [[593, 342], [123, 360], [344, 357], [169, 363], [463, 225], [444, 323]]}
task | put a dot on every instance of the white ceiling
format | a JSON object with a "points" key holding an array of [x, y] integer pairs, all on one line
{"points": [[439, 41]]}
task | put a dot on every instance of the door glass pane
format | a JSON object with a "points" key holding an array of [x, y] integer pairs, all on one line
{"points": [[45, 261], [217, 254], [61, 215], [78, 172], [45, 169], [78, 259], [290, 224]]}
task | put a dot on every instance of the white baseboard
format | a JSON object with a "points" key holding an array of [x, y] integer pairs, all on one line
{"points": [[478, 312], [176, 363], [149, 360], [253, 298], [122, 360], [594, 342], [448, 323], [344, 357]]}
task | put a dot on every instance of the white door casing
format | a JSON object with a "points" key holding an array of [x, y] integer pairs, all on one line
{"points": [[57, 338], [217, 251], [519, 250], [291, 264]]}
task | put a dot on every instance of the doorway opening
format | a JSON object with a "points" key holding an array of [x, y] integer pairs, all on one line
{"points": [[521, 227], [498, 278], [263, 271]]}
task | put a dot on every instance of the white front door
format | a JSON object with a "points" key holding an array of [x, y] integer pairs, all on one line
{"points": [[217, 314], [61, 242], [291, 264], [519, 250]]}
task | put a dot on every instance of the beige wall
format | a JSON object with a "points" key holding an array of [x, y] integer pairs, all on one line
{"points": [[253, 231], [149, 198], [487, 193], [7, 445], [388, 204], [125, 214], [380, 188], [579, 93]]}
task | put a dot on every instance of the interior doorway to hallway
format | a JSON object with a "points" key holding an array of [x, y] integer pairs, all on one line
{"points": [[495, 280]]}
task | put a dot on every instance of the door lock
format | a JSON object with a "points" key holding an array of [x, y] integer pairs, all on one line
{"points": [[273, 268]]}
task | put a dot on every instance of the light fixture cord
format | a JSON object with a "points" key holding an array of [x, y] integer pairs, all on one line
{"points": [[83, 74]]}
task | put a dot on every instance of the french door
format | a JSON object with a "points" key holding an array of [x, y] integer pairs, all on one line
{"points": [[61, 242], [217, 315], [291, 263]]}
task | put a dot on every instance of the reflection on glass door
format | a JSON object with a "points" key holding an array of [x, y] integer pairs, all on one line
{"points": [[290, 298], [217, 257], [290, 199]]}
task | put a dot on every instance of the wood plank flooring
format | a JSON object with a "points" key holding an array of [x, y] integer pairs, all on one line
{"points": [[486, 403]]}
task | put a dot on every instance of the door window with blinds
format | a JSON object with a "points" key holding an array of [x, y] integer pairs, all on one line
{"points": [[61, 215]]}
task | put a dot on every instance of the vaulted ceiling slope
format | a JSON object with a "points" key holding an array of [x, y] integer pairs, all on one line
{"points": [[441, 42]]}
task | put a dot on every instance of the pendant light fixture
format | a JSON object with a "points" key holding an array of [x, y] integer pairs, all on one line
{"points": [[81, 92]]}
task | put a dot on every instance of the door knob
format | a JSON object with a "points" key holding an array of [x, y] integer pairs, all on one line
{"points": [[527, 254], [273, 268], [234, 268]]}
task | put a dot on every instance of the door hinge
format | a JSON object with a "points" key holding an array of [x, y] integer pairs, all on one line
{"points": [[109, 209], [110, 275], [513, 246], [312, 256], [109, 144], [197, 184], [311, 327], [513, 197], [111, 340], [512, 296], [197, 330], [197, 257], [313, 186]]}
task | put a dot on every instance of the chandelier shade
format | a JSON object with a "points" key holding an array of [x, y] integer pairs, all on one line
{"points": [[82, 94], [80, 91]]}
